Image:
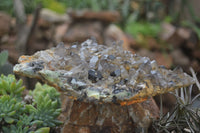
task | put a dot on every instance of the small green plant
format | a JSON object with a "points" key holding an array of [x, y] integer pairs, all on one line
{"points": [[9, 109], [5, 66], [46, 90], [46, 112], [10, 86], [18, 117], [185, 117], [48, 105]]}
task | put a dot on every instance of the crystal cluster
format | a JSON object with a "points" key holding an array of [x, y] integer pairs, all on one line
{"points": [[92, 72]]}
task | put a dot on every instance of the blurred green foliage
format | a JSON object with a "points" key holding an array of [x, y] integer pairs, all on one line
{"points": [[6, 6], [53, 5], [3, 57], [193, 26], [5, 66], [139, 9], [16, 116], [126, 8], [143, 28], [30, 5], [136, 15]]}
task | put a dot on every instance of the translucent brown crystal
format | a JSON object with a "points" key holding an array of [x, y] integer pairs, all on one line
{"points": [[96, 73]]}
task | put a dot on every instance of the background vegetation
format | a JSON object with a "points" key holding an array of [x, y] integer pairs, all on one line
{"points": [[138, 16]]}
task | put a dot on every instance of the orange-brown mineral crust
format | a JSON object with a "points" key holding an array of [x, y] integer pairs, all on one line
{"points": [[96, 80]]}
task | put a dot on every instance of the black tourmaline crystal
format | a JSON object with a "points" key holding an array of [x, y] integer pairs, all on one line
{"points": [[94, 76]]}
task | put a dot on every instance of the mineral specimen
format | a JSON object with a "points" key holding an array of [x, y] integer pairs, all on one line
{"points": [[96, 73]]}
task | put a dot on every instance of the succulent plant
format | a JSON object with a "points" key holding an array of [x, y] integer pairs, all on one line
{"points": [[9, 109], [48, 103], [46, 112], [18, 117], [24, 125], [15, 129], [44, 90], [10, 86], [20, 129]]}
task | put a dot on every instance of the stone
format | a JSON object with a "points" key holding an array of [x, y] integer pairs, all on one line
{"points": [[106, 16], [54, 17], [113, 33], [60, 31], [172, 35], [81, 31], [93, 99], [168, 31], [179, 58], [91, 65]]}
